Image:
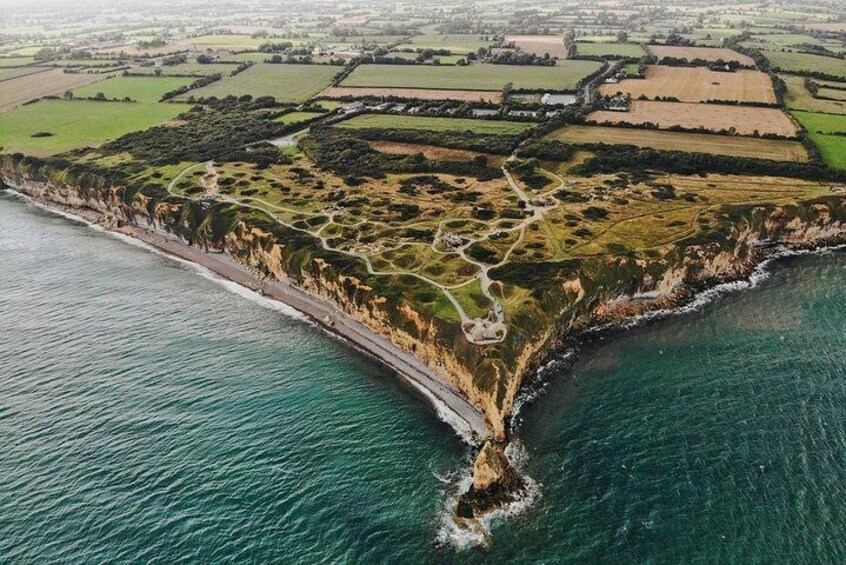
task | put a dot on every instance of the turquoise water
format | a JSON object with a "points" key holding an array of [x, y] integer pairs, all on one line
{"points": [[147, 414]]}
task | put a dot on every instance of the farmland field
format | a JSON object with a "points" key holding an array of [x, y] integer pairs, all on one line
{"points": [[15, 61], [456, 43], [76, 123], [15, 72], [833, 93], [745, 120], [16, 91], [704, 53], [287, 83], [828, 132], [387, 121], [619, 50], [797, 97], [421, 93], [565, 76], [141, 89], [296, 117], [774, 149], [194, 69], [697, 84], [540, 44], [798, 62]]}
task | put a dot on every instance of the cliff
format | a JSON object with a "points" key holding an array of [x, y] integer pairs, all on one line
{"points": [[564, 297]]}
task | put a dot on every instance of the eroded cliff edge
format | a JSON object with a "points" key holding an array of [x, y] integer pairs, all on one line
{"points": [[565, 297]]}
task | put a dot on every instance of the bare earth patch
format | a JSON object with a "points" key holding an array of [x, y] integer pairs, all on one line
{"points": [[697, 84], [412, 93], [704, 53], [745, 120]]}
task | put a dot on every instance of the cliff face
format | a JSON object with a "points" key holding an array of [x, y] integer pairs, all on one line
{"points": [[575, 295]]}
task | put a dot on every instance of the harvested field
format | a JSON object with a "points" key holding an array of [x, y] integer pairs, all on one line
{"points": [[16, 91], [744, 119], [432, 152], [389, 121], [412, 93], [774, 149], [697, 84], [540, 44], [9, 73], [711, 54], [564, 76]]}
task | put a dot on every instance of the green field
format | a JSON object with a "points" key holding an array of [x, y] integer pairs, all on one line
{"points": [[797, 97], [456, 43], [562, 77], [798, 62], [296, 117], [147, 90], [820, 129], [386, 121], [76, 124], [226, 40], [15, 61], [610, 50], [287, 83], [193, 69]]}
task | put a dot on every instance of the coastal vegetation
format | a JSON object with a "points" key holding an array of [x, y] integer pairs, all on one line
{"points": [[479, 190]]}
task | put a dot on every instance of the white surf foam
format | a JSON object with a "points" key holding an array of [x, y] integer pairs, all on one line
{"points": [[472, 533]]}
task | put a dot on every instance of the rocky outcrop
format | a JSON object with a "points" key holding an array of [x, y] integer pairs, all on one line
{"points": [[495, 483]]}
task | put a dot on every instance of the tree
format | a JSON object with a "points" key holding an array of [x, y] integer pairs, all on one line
{"points": [[99, 96], [506, 90], [622, 37], [68, 95], [204, 59]]}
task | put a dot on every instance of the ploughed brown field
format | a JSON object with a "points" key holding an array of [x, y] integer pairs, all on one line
{"points": [[433, 152], [540, 44], [704, 53], [746, 120], [16, 91], [411, 93], [773, 149], [697, 84]]}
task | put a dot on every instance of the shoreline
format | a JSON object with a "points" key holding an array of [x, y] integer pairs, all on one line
{"points": [[565, 358], [450, 405]]}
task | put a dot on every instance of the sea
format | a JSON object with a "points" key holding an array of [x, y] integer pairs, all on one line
{"points": [[152, 413]]}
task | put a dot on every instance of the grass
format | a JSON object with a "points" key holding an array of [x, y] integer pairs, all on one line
{"points": [[386, 121], [603, 49], [194, 69], [17, 91], [820, 128], [562, 77], [15, 61], [147, 90], [287, 83], [296, 117], [76, 123], [774, 149], [798, 62], [458, 44], [797, 97]]}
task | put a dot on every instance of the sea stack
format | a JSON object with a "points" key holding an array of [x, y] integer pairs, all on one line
{"points": [[495, 483]]}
